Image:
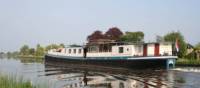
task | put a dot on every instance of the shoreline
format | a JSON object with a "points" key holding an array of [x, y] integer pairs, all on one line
{"points": [[30, 56], [182, 62], [188, 62], [187, 65]]}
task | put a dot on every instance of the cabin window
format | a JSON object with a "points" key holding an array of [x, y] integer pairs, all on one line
{"points": [[70, 51], [93, 49], [74, 50], [79, 51], [121, 49]]}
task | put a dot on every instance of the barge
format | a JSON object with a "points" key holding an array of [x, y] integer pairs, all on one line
{"points": [[112, 54]]}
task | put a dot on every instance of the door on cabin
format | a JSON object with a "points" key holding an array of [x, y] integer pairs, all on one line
{"points": [[156, 50], [145, 50]]}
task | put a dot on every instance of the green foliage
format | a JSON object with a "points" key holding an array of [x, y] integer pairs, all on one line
{"points": [[2, 54], [9, 54], [133, 37], [9, 82], [187, 61], [54, 46], [32, 51], [14, 82], [37, 52], [15, 53], [24, 50], [12, 54], [61, 45], [171, 37], [40, 51], [191, 55], [197, 47]]}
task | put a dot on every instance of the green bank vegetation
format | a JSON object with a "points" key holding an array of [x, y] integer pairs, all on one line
{"points": [[132, 37], [37, 52], [14, 82], [189, 62], [188, 54], [192, 56]]}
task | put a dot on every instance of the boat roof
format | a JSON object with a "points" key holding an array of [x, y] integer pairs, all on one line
{"points": [[116, 43]]}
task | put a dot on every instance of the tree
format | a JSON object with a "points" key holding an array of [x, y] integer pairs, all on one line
{"points": [[197, 46], [15, 53], [171, 37], [2, 54], [133, 37], [24, 50], [197, 51], [61, 45], [54, 46], [9, 54], [95, 36], [40, 51], [114, 33], [32, 51]]}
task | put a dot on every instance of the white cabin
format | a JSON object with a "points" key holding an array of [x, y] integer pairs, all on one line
{"points": [[131, 50]]}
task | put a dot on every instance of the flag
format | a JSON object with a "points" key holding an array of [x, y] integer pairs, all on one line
{"points": [[177, 45]]}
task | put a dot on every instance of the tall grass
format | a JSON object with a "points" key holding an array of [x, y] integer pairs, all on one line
{"points": [[183, 61], [17, 82]]}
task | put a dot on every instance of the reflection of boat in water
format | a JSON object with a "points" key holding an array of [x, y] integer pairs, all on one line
{"points": [[145, 55], [75, 77]]}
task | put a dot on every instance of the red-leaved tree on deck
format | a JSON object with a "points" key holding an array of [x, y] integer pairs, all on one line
{"points": [[95, 36], [113, 33]]}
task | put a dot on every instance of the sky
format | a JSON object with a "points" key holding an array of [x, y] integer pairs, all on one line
{"points": [[71, 21]]}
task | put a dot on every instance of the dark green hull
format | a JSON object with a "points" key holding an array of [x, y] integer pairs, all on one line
{"points": [[120, 62]]}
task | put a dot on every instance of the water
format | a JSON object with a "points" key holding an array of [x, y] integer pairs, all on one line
{"points": [[77, 77]]}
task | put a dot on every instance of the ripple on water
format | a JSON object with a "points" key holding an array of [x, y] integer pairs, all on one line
{"points": [[74, 76]]}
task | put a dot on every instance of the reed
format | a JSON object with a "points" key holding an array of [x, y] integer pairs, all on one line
{"points": [[190, 62], [7, 81]]}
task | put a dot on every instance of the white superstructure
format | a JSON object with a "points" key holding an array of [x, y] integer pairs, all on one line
{"points": [[129, 50]]}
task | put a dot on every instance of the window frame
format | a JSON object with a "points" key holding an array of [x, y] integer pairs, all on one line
{"points": [[79, 51], [121, 50], [69, 51], [74, 51]]}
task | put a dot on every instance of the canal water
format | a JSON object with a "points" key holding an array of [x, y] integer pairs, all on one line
{"points": [[74, 76]]}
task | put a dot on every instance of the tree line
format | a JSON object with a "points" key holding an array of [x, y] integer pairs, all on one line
{"points": [[25, 50]]}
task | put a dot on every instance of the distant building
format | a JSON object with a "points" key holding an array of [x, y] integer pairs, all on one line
{"points": [[190, 49], [192, 52], [197, 54]]}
